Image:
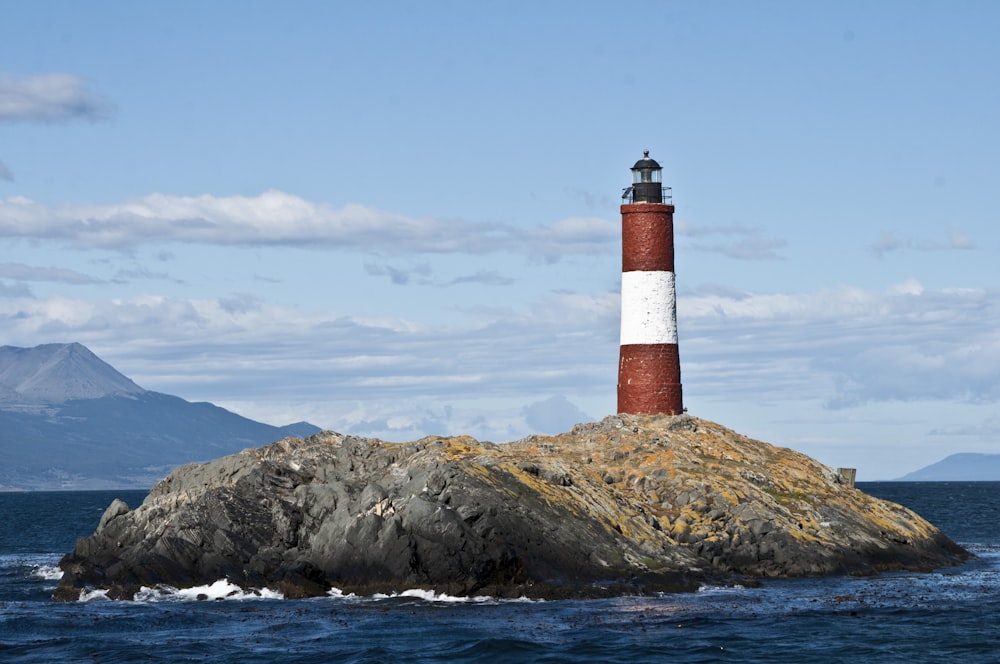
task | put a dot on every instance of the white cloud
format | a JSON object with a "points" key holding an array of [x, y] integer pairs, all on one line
{"points": [[243, 342], [685, 228], [747, 245], [49, 98], [847, 346], [909, 287], [379, 376], [484, 277], [988, 429], [890, 242], [400, 275], [138, 272], [574, 235], [21, 272], [554, 415], [751, 248], [240, 303], [422, 274], [16, 291], [844, 347], [958, 240], [277, 218]]}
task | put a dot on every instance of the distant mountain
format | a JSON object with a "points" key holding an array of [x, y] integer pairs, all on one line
{"points": [[55, 373], [965, 467], [69, 420]]}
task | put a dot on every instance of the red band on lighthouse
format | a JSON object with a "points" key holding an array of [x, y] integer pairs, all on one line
{"points": [[648, 237], [649, 371]]}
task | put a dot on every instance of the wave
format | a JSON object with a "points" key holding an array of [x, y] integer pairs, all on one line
{"points": [[36, 566], [222, 589], [982, 549], [708, 589], [47, 572], [431, 596], [91, 595]]}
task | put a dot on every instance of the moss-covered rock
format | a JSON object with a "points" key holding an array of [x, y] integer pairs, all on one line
{"points": [[626, 505]]}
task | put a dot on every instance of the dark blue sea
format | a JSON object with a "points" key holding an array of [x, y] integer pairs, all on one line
{"points": [[952, 615]]}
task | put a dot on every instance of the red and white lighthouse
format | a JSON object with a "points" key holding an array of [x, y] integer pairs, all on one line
{"points": [[649, 367]]}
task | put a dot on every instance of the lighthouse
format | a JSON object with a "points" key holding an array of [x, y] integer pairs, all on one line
{"points": [[649, 367]]}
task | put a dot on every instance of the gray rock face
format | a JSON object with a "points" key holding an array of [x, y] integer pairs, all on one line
{"points": [[601, 510]]}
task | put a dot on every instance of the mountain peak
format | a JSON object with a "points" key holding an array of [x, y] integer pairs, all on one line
{"points": [[55, 373]]}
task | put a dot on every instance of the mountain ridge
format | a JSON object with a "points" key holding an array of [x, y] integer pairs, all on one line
{"points": [[959, 467], [69, 420]]}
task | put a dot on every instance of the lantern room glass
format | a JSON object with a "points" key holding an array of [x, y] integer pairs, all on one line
{"points": [[640, 175]]}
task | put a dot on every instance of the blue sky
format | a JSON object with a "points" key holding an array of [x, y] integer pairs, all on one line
{"points": [[402, 219]]}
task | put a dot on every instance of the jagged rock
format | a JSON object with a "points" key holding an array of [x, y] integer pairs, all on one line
{"points": [[115, 510], [626, 505]]}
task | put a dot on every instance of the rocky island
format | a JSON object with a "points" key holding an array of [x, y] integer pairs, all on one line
{"points": [[630, 504]]}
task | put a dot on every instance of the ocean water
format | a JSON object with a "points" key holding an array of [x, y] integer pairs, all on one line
{"points": [[949, 615]]}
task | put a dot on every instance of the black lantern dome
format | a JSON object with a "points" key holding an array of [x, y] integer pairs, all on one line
{"points": [[647, 184]]}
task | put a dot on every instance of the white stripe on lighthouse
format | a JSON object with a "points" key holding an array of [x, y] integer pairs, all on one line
{"points": [[649, 310]]}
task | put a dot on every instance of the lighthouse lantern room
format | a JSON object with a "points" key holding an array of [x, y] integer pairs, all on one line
{"points": [[647, 185]]}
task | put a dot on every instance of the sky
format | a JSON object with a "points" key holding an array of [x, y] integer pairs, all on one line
{"points": [[401, 219]]}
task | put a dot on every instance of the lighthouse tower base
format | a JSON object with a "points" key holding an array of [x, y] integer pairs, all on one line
{"points": [[646, 373]]}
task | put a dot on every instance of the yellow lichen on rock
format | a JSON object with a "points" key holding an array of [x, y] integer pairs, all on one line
{"points": [[630, 502]]}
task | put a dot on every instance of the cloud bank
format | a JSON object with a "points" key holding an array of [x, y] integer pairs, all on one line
{"points": [[277, 218], [849, 346], [508, 370]]}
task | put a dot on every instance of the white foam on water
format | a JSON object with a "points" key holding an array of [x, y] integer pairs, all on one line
{"points": [[222, 589], [43, 566], [92, 595], [47, 572], [339, 594], [721, 589], [431, 596]]}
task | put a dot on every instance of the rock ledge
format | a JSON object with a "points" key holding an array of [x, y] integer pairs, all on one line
{"points": [[627, 505]]}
